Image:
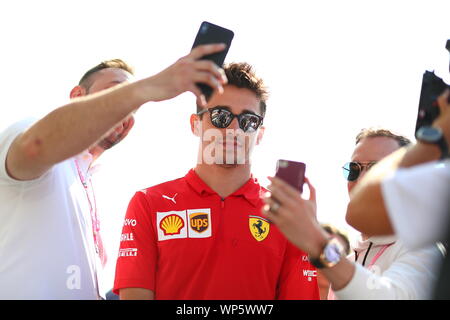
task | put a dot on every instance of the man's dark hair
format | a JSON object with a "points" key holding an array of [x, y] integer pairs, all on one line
{"points": [[242, 75], [374, 132], [86, 79]]}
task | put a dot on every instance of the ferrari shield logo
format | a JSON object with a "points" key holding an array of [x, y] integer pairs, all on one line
{"points": [[259, 227]]}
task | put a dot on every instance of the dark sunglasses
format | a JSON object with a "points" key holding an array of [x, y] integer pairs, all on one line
{"points": [[221, 117], [353, 169]]}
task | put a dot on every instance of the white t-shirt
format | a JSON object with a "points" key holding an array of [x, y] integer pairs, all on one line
{"points": [[417, 201], [47, 247]]}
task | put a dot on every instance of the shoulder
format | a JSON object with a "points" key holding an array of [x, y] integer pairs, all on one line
{"points": [[8, 135], [164, 187], [13, 130], [166, 190]]}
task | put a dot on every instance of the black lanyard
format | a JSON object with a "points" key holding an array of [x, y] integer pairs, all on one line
{"points": [[365, 256]]}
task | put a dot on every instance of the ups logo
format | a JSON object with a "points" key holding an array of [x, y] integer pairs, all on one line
{"points": [[199, 221]]}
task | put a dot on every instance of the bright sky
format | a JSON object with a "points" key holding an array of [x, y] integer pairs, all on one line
{"points": [[333, 67]]}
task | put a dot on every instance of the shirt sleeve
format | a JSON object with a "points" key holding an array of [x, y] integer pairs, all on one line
{"points": [[298, 278], [7, 137], [411, 276], [417, 203], [136, 262]]}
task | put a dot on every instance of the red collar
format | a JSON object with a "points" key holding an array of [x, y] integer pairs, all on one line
{"points": [[250, 190]]}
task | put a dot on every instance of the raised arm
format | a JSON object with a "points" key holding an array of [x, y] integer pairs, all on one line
{"points": [[73, 128]]}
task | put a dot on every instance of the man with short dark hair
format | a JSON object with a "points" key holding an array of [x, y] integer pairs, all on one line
{"points": [[379, 132], [49, 230], [89, 77], [202, 236]]}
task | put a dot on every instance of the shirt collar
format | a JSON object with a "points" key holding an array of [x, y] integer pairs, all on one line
{"points": [[361, 244], [251, 190], [84, 161]]}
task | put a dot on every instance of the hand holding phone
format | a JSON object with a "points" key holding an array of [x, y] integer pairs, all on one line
{"points": [[207, 34]]}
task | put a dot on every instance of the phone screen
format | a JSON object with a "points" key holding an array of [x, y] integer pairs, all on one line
{"points": [[292, 172], [207, 34]]}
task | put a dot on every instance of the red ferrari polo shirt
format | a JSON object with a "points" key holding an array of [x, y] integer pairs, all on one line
{"points": [[183, 241]]}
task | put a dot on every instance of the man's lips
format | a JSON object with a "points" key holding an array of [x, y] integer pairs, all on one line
{"points": [[230, 144]]}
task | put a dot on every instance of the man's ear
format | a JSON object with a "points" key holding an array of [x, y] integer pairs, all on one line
{"points": [[77, 91], [196, 125], [260, 135]]}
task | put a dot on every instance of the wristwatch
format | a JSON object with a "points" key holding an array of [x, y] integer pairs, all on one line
{"points": [[433, 135], [331, 254]]}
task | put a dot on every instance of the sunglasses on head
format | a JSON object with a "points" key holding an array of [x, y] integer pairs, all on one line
{"points": [[221, 117], [352, 170]]}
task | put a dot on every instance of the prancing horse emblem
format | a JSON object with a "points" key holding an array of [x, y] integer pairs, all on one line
{"points": [[259, 227]]}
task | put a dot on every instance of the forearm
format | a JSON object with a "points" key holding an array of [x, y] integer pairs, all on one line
{"points": [[422, 152], [71, 129], [367, 285], [340, 274]]}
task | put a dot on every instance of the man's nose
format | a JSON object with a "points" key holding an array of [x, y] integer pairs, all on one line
{"points": [[234, 124], [363, 173]]}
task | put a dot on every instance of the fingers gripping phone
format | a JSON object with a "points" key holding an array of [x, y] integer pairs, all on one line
{"points": [[292, 172], [207, 34]]}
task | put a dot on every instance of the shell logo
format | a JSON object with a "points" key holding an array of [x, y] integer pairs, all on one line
{"points": [[172, 224]]}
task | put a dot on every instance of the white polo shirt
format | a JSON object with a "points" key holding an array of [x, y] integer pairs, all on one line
{"points": [[46, 240]]}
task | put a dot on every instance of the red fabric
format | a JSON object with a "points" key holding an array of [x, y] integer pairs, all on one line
{"points": [[212, 254]]}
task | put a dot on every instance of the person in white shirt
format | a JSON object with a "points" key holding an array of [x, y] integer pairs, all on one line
{"points": [[49, 232], [409, 193], [380, 267]]}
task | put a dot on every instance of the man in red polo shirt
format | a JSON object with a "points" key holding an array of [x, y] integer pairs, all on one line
{"points": [[202, 236]]}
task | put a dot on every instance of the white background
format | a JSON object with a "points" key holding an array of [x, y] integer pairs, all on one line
{"points": [[333, 67]]}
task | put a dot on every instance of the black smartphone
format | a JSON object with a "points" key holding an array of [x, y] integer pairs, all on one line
{"points": [[432, 88], [292, 172], [207, 34]]}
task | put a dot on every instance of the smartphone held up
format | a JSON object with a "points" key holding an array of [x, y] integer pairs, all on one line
{"points": [[208, 34]]}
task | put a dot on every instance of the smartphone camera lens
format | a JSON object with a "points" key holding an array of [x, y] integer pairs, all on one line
{"points": [[204, 28], [283, 164]]}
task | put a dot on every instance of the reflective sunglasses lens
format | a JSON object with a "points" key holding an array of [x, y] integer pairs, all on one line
{"points": [[221, 118], [249, 122], [351, 171]]}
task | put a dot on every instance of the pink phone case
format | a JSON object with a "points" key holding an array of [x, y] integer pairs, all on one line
{"points": [[292, 172]]}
